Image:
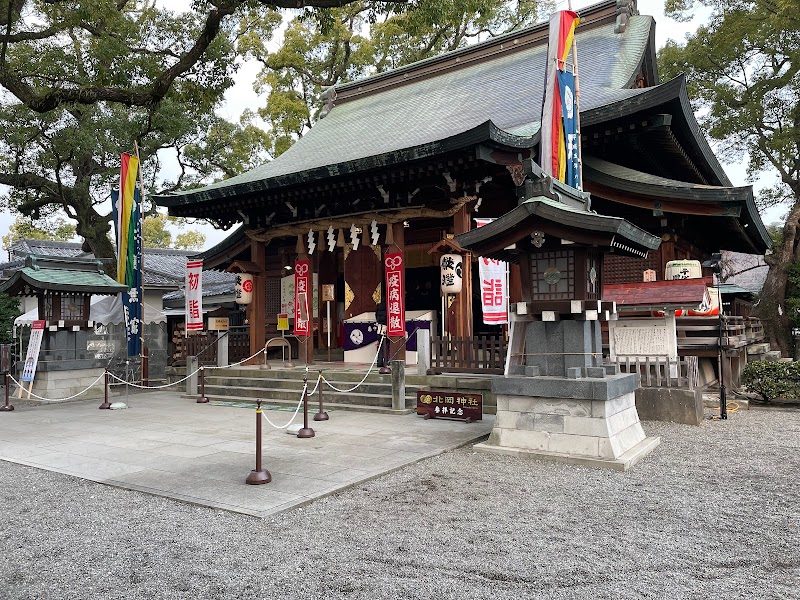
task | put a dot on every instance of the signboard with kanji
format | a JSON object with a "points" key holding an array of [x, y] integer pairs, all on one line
{"points": [[451, 405], [395, 295], [194, 295], [302, 291], [283, 322]]}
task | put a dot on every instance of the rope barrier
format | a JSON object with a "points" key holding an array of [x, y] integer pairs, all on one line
{"points": [[153, 387], [236, 364], [91, 385], [372, 366], [296, 410], [181, 380]]}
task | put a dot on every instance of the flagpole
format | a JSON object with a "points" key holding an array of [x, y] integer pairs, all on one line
{"points": [[141, 264], [577, 101]]}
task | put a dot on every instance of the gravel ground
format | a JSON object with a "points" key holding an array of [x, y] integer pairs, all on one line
{"points": [[712, 513]]}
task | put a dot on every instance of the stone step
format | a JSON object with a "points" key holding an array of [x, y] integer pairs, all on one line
{"points": [[758, 348], [772, 355], [270, 394], [312, 406], [291, 384]]}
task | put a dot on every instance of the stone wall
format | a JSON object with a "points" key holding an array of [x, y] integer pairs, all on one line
{"points": [[670, 404]]}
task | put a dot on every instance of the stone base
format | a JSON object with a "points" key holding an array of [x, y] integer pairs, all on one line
{"points": [[54, 385], [586, 421], [623, 463], [670, 404]]}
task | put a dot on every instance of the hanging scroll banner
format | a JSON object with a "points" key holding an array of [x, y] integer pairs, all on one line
{"points": [[569, 109], [492, 274], [395, 295], [302, 288], [194, 295]]}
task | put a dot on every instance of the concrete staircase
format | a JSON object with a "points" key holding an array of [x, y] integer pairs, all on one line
{"points": [[283, 387]]}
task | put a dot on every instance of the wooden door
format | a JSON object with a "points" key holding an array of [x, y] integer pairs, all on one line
{"points": [[362, 279]]}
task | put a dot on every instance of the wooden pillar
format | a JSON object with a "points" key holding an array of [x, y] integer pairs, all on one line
{"points": [[256, 310], [397, 346], [667, 251], [459, 314]]}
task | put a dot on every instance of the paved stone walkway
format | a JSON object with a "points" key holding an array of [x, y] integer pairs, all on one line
{"points": [[168, 445]]}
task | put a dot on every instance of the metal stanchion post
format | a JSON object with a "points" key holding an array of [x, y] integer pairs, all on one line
{"points": [[7, 407], [321, 414], [258, 475], [306, 431], [201, 399], [106, 403]]}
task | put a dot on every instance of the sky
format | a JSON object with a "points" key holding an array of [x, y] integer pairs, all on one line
{"points": [[241, 96]]}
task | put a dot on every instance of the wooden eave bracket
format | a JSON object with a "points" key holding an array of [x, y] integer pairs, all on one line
{"points": [[244, 266], [446, 246]]}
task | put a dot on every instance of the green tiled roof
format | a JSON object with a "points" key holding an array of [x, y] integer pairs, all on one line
{"points": [[60, 280], [505, 91]]}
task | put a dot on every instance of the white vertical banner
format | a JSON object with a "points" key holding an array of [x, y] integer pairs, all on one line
{"points": [[494, 292], [32, 357], [194, 295]]}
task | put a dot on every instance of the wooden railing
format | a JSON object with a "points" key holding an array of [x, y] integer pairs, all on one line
{"points": [[479, 354], [238, 343], [703, 332], [203, 346], [658, 372]]}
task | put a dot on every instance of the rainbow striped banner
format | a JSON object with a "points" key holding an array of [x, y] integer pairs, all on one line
{"points": [[553, 140], [128, 225]]}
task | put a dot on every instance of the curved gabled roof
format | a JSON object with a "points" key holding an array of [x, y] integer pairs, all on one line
{"points": [[499, 99]]}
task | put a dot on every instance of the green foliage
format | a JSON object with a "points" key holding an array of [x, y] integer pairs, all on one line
{"points": [[52, 229], [773, 380], [775, 231], [156, 234], [190, 240], [9, 310]]}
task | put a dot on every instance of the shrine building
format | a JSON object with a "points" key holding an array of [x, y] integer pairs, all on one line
{"points": [[406, 160]]}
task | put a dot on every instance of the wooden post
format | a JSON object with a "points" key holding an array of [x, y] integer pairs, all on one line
{"points": [[256, 309]]}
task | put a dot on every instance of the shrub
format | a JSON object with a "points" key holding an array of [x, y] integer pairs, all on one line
{"points": [[772, 380]]}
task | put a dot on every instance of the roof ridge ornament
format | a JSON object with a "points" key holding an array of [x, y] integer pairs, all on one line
{"points": [[539, 183], [625, 10], [329, 101]]}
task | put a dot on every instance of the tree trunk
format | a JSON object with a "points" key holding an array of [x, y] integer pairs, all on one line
{"points": [[94, 230], [771, 307]]}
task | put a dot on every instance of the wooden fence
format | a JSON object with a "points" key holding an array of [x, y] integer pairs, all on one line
{"points": [[658, 372], [479, 354]]}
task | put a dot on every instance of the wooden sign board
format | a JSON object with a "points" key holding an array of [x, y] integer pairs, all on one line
{"points": [[328, 292], [450, 405], [218, 323]]}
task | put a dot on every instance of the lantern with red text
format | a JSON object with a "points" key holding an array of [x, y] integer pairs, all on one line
{"points": [[244, 288]]}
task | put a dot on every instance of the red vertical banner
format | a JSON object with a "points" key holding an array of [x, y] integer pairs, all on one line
{"points": [[194, 295], [395, 295], [302, 303]]}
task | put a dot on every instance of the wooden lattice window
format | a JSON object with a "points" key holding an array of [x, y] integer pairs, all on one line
{"points": [[273, 297], [553, 275]]}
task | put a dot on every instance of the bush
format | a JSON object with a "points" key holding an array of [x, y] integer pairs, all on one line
{"points": [[773, 380]]}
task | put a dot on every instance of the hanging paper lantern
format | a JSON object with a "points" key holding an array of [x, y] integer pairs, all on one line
{"points": [[450, 265], [244, 288]]}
